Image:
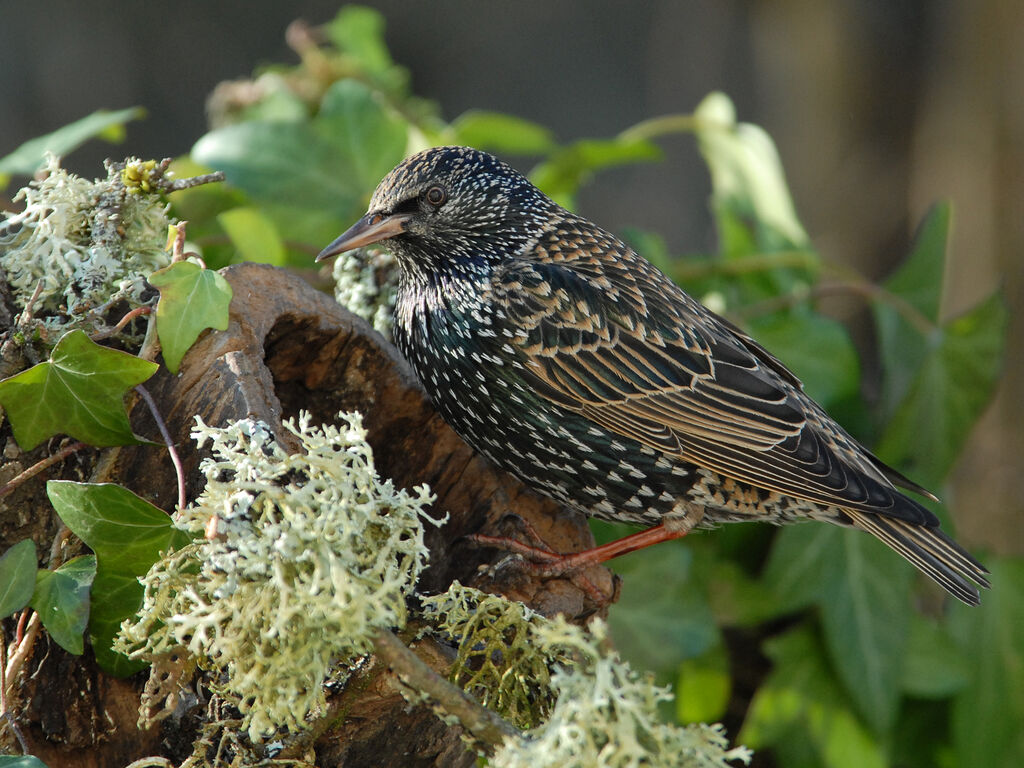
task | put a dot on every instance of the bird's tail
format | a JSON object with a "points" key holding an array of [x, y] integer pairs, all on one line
{"points": [[930, 550]]}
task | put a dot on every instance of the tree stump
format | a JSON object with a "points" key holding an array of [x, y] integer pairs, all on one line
{"points": [[289, 348]]}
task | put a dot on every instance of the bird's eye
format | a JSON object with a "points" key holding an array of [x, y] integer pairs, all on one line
{"points": [[436, 196]]}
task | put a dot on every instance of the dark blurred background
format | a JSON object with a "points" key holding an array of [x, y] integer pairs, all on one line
{"points": [[878, 107]]}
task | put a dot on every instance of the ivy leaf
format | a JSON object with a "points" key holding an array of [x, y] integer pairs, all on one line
{"points": [[127, 533], [565, 171], [18, 567], [818, 350], [29, 157], [947, 394], [192, 299], [62, 601], [331, 163], [802, 702], [371, 139], [904, 333], [863, 592], [865, 614], [254, 236], [497, 132], [934, 667], [672, 622], [703, 687], [79, 392], [987, 714]]}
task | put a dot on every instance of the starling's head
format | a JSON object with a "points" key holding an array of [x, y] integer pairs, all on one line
{"points": [[449, 209]]}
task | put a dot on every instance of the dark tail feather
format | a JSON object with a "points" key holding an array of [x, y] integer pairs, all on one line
{"points": [[931, 551]]}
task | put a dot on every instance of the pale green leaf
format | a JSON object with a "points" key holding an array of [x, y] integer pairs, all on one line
{"points": [[497, 132], [254, 235], [192, 299], [29, 157], [748, 183]]}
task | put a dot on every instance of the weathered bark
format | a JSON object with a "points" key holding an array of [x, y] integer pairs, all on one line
{"points": [[289, 347]]}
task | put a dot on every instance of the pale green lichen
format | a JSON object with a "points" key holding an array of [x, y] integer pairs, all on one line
{"points": [[308, 556], [82, 240], [498, 660], [597, 711], [366, 283], [606, 714]]}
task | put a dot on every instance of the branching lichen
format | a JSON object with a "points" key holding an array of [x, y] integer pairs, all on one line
{"points": [[498, 661], [366, 283], [82, 240], [305, 557], [597, 711]]}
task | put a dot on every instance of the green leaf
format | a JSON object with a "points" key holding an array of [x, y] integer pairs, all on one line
{"points": [[21, 761], [661, 619], [274, 161], [565, 171], [865, 613], [988, 713], [497, 132], [192, 299], [817, 349], [703, 688], [947, 394], [801, 701], [863, 591], [934, 667], [127, 533], [903, 324], [62, 601], [30, 156], [254, 235], [749, 188], [359, 31], [371, 140], [332, 163], [18, 567], [79, 392], [796, 565]]}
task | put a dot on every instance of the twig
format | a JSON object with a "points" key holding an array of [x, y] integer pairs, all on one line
{"points": [[26, 313], [24, 648], [178, 469], [108, 332], [485, 725], [7, 715], [39, 466], [193, 181], [659, 126]]}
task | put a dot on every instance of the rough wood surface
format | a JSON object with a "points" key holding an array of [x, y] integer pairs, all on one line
{"points": [[290, 347]]}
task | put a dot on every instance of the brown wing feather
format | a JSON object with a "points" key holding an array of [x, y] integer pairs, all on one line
{"points": [[619, 342]]}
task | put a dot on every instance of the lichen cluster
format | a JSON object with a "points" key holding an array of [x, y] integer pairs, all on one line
{"points": [[597, 711], [498, 661], [81, 241], [366, 283], [301, 559]]}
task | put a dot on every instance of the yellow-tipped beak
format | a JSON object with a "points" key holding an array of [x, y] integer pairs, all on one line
{"points": [[372, 228]]}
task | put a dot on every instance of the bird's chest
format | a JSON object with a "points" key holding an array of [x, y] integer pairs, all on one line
{"points": [[464, 357]]}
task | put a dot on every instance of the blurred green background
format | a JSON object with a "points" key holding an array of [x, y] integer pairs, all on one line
{"points": [[878, 111]]}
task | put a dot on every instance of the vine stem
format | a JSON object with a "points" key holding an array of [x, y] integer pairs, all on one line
{"points": [[39, 466], [178, 469], [485, 725]]}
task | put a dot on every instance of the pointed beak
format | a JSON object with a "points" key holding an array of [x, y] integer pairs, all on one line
{"points": [[372, 228]]}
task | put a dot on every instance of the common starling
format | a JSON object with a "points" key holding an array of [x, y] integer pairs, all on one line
{"points": [[567, 359]]}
